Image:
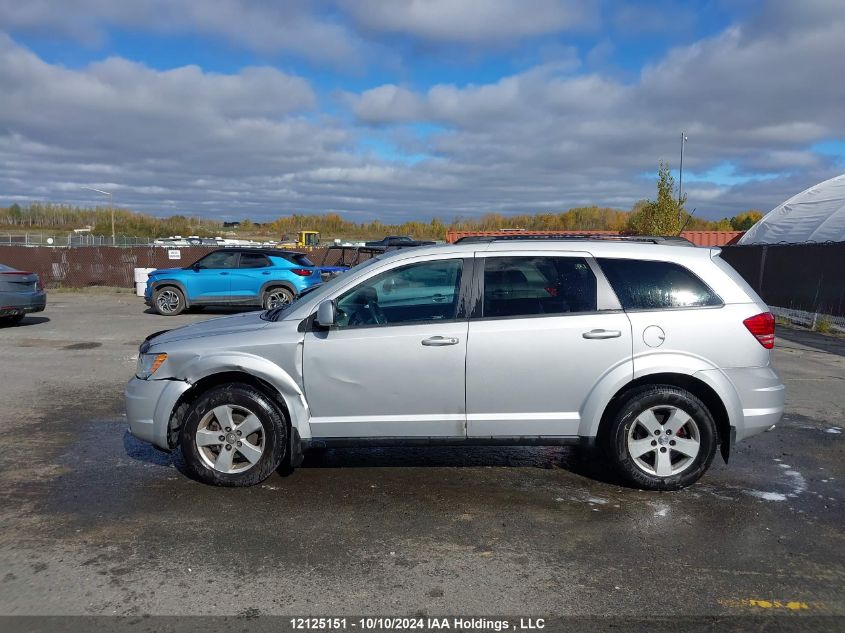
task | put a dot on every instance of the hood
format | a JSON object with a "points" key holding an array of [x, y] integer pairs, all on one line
{"points": [[212, 327], [165, 271]]}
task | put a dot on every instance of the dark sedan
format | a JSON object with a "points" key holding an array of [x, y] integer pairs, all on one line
{"points": [[399, 241], [21, 292]]}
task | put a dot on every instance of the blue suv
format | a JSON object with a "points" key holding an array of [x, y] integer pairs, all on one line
{"points": [[232, 277]]}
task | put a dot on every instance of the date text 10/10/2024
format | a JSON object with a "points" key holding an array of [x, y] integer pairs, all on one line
{"points": [[415, 623]]}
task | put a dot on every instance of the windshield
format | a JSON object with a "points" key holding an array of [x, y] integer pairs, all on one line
{"points": [[319, 290]]}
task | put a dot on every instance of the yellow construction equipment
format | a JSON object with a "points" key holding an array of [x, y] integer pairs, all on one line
{"points": [[308, 238], [303, 239]]}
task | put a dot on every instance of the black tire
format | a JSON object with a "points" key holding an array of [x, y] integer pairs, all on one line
{"points": [[662, 400], [274, 432], [276, 293], [11, 320], [169, 301]]}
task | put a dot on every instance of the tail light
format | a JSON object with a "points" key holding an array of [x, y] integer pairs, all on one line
{"points": [[38, 284], [762, 326], [302, 272]]}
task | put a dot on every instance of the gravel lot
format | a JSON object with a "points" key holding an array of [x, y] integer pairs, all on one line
{"points": [[95, 522]]}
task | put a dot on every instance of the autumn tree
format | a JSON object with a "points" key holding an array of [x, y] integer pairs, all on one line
{"points": [[661, 216], [745, 220]]}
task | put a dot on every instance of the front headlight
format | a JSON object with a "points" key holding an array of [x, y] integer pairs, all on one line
{"points": [[148, 364]]}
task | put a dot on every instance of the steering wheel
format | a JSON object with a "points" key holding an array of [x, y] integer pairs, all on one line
{"points": [[377, 313], [368, 314]]}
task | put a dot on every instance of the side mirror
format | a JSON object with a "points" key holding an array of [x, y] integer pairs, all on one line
{"points": [[326, 314], [195, 267]]}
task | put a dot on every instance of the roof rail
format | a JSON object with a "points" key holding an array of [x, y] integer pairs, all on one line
{"points": [[674, 240]]}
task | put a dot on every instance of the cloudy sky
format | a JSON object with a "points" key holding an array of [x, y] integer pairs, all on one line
{"points": [[398, 109]]}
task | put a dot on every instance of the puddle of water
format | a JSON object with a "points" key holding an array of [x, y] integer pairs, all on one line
{"points": [[86, 345], [767, 496]]}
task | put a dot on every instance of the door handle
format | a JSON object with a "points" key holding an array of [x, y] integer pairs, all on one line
{"points": [[438, 298], [602, 334], [224, 273], [439, 341], [266, 272]]}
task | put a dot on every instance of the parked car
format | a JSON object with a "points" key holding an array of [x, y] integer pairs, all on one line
{"points": [[21, 293], [399, 241], [656, 353], [232, 276]]}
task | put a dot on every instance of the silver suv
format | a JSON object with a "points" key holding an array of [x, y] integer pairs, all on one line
{"points": [[658, 353]]}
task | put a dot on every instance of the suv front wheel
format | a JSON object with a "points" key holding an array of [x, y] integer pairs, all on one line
{"points": [[233, 435], [169, 301], [661, 438]]}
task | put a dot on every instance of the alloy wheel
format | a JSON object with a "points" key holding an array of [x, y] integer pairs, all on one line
{"points": [[230, 439], [168, 301], [277, 298], [663, 441]]}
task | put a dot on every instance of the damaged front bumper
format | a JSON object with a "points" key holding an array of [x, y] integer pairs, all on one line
{"points": [[149, 406]]}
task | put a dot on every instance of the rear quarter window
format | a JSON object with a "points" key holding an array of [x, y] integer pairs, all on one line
{"points": [[296, 258], [654, 285]]}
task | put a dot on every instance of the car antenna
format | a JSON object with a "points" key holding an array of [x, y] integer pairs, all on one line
{"points": [[689, 217]]}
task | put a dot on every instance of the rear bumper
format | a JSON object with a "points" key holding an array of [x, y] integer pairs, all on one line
{"points": [[149, 405], [762, 394], [14, 303]]}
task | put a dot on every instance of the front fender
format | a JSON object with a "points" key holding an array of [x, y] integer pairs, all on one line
{"points": [[287, 387], [158, 283]]}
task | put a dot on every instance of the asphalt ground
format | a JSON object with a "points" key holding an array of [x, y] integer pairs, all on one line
{"points": [[94, 522]]}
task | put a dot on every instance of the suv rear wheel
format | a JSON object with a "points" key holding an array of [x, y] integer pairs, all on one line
{"points": [[233, 435], [661, 438]]}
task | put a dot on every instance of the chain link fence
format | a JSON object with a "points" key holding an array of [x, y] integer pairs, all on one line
{"points": [[110, 266], [70, 240]]}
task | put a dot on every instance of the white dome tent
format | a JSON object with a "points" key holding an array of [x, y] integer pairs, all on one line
{"points": [[814, 215]]}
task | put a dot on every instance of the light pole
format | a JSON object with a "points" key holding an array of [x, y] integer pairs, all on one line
{"points": [[111, 210], [684, 139]]}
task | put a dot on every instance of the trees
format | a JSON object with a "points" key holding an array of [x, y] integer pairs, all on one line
{"points": [[657, 217], [660, 216], [745, 220]]}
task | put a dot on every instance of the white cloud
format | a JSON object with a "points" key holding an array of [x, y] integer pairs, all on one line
{"points": [[387, 104], [472, 21], [294, 26]]}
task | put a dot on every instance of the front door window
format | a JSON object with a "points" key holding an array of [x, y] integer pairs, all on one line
{"points": [[415, 293]]}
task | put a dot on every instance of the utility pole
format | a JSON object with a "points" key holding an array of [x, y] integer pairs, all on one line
{"points": [[111, 210], [684, 139]]}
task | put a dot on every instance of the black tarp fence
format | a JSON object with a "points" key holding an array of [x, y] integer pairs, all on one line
{"points": [[808, 277]]}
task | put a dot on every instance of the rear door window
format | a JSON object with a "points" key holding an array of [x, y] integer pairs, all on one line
{"points": [[653, 285], [253, 260], [530, 286]]}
